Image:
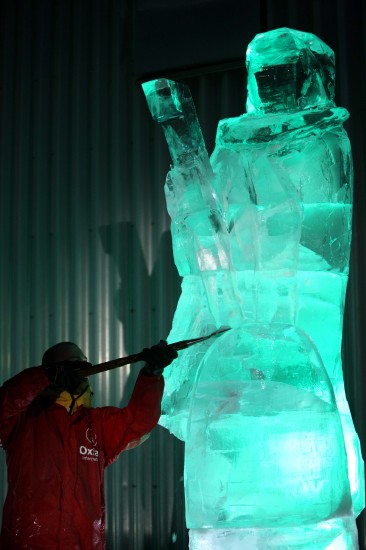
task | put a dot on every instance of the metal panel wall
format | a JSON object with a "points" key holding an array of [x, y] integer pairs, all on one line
{"points": [[85, 248], [84, 234]]}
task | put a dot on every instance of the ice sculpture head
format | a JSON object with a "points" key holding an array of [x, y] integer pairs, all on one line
{"points": [[289, 70]]}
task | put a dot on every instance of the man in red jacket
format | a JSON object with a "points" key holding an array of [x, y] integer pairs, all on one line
{"points": [[57, 447]]}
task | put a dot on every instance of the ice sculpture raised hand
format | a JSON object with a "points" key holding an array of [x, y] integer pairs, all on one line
{"points": [[261, 236]]}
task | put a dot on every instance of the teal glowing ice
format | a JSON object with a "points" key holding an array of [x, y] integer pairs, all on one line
{"points": [[261, 236]]}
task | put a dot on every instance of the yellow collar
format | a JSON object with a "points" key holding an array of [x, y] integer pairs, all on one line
{"points": [[52, 393], [65, 400]]}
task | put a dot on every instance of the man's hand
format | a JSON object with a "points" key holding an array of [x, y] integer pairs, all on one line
{"points": [[66, 375], [157, 358]]}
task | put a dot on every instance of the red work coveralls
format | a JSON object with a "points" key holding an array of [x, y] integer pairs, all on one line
{"points": [[56, 462]]}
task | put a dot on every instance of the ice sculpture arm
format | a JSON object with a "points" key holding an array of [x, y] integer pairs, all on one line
{"points": [[171, 105], [200, 237], [188, 187]]}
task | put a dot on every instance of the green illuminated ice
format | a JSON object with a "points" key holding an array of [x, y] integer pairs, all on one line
{"points": [[261, 235]]}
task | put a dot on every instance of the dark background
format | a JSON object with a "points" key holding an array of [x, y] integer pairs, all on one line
{"points": [[84, 233]]}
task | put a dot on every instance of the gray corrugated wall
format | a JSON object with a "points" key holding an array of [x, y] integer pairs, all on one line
{"points": [[85, 248], [84, 235]]}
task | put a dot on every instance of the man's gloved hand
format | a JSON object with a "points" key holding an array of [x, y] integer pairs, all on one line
{"points": [[157, 358], [65, 374]]}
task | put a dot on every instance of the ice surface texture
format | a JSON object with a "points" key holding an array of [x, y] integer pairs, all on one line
{"points": [[261, 236]]}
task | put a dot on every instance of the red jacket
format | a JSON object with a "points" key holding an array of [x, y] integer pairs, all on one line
{"points": [[56, 462]]}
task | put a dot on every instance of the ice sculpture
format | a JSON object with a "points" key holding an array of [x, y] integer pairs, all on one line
{"points": [[261, 236]]}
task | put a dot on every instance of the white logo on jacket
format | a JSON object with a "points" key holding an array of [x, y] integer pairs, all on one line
{"points": [[91, 437], [86, 452]]}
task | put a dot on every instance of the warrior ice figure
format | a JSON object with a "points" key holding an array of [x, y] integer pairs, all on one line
{"points": [[261, 236]]}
